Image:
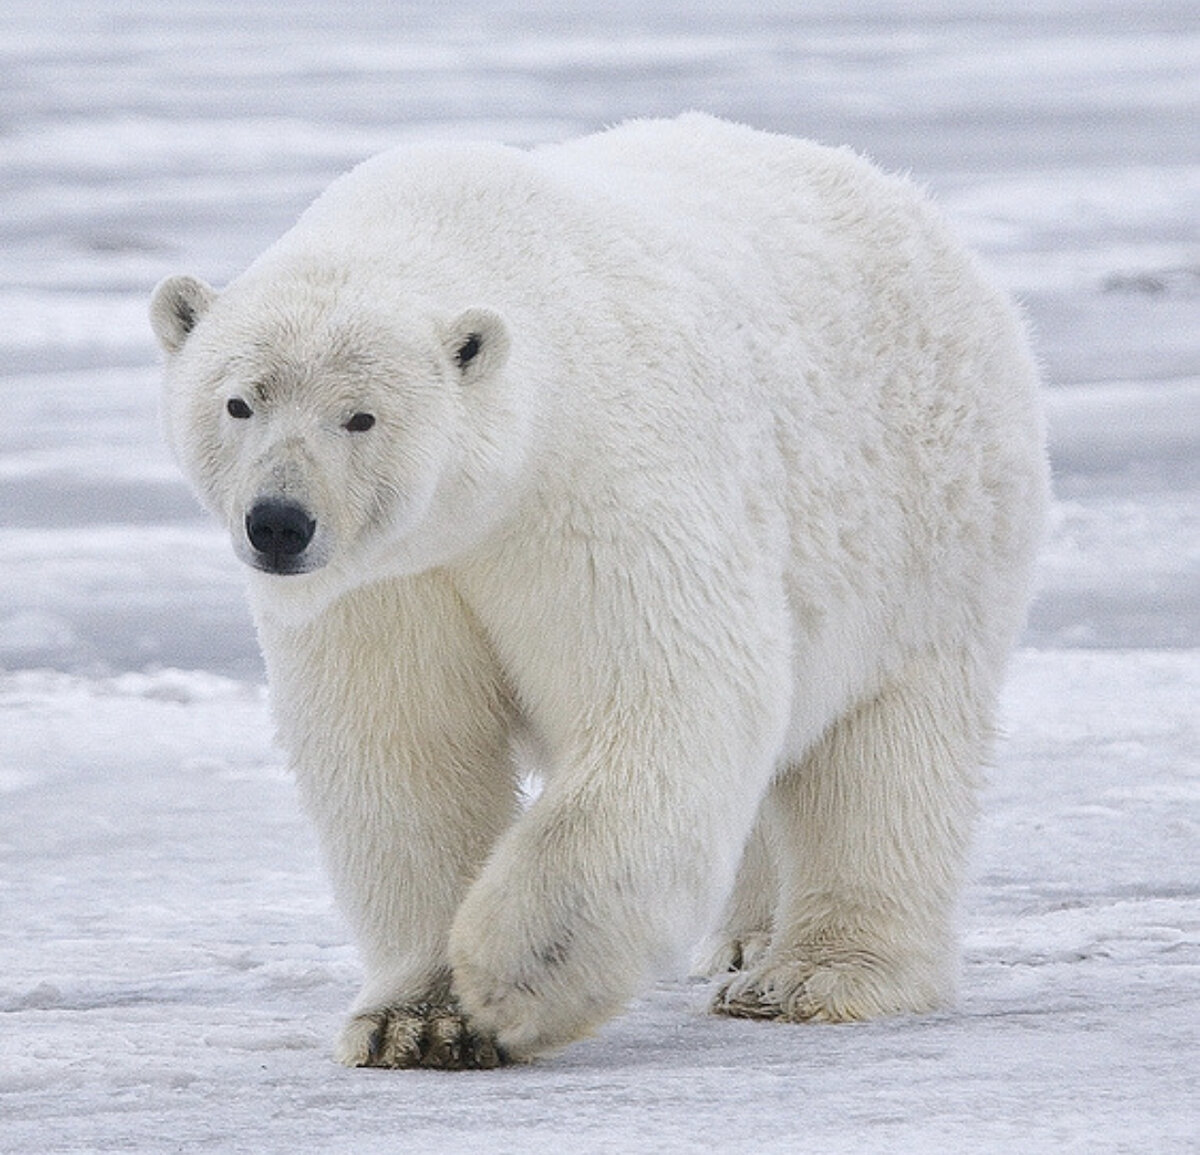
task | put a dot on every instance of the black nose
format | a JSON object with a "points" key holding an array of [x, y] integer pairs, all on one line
{"points": [[279, 531]]}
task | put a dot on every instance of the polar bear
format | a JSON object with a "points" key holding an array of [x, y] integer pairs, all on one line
{"points": [[698, 465]]}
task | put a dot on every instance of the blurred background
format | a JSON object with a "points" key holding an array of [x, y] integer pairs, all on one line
{"points": [[139, 139]]}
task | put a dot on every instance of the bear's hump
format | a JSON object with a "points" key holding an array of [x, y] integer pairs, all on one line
{"points": [[438, 181]]}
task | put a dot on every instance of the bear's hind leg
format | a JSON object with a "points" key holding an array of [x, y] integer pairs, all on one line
{"points": [[745, 929], [871, 830]]}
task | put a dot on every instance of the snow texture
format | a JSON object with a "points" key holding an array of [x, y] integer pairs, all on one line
{"points": [[172, 971]]}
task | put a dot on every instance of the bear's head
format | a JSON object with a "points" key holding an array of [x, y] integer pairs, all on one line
{"points": [[334, 437]]}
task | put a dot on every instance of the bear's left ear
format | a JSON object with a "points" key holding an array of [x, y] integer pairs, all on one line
{"points": [[477, 342], [177, 304]]}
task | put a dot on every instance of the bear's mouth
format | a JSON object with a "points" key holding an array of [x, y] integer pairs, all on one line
{"points": [[277, 568]]}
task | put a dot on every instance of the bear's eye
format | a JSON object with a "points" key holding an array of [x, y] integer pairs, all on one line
{"points": [[468, 349], [238, 408], [359, 423]]}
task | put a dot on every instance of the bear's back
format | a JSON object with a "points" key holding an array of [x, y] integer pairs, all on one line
{"points": [[707, 183], [697, 170]]}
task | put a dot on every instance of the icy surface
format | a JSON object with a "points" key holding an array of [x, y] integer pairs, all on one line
{"points": [[171, 967]]}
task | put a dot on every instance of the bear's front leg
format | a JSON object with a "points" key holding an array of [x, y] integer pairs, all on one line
{"points": [[394, 714], [659, 751], [603, 883]]}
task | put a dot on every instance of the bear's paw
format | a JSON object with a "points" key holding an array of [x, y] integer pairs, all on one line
{"points": [[825, 985], [435, 1035]]}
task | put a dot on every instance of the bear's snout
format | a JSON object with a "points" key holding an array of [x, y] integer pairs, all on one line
{"points": [[280, 532]]}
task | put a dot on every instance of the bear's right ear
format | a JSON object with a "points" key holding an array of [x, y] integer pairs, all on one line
{"points": [[177, 304]]}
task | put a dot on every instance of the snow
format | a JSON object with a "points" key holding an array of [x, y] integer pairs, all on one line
{"points": [[172, 969]]}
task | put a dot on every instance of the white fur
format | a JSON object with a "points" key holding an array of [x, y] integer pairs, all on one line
{"points": [[732, 510]]}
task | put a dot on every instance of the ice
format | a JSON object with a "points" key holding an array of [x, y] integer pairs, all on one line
{"points": [[172, 969]]}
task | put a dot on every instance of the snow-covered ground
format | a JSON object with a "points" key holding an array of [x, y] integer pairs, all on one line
{"points": [[171, 968]]}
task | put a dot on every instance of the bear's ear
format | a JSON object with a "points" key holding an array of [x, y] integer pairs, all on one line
{"points": [[177, 304], [477, 342]]}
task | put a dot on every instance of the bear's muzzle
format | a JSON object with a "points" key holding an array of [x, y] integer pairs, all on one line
{"points": [[280, 532]]}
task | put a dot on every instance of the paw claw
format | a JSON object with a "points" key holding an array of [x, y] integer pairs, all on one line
{"points": [[411, 1035]]}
